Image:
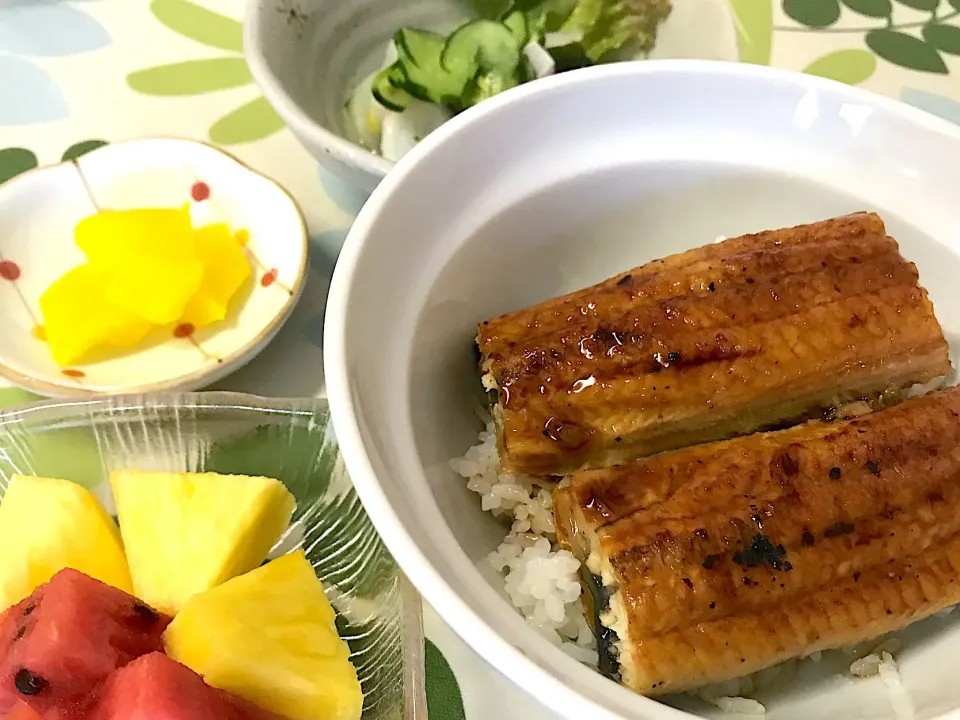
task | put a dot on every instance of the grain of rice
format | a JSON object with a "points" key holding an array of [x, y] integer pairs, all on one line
{"points": [[741, 705]]}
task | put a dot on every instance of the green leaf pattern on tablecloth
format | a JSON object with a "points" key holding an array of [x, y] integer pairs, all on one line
{"points": [[753, 20], [871, 8], [847, 66], [16, 160], [200, 24], [247, 123], [444, 701], [81, 148], [192, 77], [945, 38], [813, 13], [914, 44], [252, 121], [12, 396], [905, 50]]}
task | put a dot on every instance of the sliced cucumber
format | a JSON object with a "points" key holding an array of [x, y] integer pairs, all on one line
{"points": [[516, 23], [481, 46], [426, 79], [388, 88], [419, 48], [486, 85]]}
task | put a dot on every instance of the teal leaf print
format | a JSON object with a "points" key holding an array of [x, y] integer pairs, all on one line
{"points": [[348, 198], [813, 13], [945, 38], [49, 29], [871, 8], [81, 148], [249, 122], [252, 121], [200, 24], [847, 66], [944, 107], [754, 23], [28, 95], [191, 77], [444, 701], [906, 51], [13, 161]]}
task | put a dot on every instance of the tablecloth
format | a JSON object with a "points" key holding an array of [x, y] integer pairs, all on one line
{"points": [[75, 74]]}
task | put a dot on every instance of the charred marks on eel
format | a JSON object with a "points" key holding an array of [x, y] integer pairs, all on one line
{"points": [[838, 529], [762, 551]]}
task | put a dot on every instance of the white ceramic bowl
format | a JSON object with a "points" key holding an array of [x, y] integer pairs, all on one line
{"points": [[308, 55], [562, 184], [40, 209]]}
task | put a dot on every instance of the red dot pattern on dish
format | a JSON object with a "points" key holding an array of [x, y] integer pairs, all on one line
{"points": [[200, 191], [269, 278], [9, 270], [184, 330], [74, 373]]}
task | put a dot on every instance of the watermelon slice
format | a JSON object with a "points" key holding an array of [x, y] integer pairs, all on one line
{"points": [[59, 645], [21, 711], [155, 687]]}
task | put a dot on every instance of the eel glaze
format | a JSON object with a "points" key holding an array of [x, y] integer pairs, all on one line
{"points": [[752, 333], [718, 560]]}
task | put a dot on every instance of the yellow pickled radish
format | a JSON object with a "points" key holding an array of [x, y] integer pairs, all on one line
{"points": [[149, 256], [78, 318], [225, 269]]}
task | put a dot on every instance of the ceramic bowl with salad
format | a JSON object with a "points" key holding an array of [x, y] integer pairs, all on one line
{"points": [[359, 84]]}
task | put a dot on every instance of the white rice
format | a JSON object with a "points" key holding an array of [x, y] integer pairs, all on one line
{"points": [[541, 580], [540, 577], [741, 705]]}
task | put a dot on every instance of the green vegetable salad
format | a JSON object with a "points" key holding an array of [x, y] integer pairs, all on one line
{"points": [[429, 77]]}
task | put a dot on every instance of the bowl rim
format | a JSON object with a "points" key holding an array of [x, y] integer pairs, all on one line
{"points": [[204, 375], [299, 121], [508, 658]]}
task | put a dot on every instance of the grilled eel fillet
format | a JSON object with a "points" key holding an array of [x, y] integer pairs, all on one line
{"points": [[720, 560], [748, 334]]}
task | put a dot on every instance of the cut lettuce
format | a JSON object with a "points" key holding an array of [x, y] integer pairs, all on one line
{"points": [[609, 27]]}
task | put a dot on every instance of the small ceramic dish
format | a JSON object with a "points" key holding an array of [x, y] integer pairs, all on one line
{"points": [[307, 56], [38, 213]]}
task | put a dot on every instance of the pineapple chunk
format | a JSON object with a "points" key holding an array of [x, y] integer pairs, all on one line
{"points": [[269, 637], [187, 532], [50, 525]]}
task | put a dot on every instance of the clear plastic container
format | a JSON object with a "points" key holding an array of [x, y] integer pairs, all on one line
{"points": [[379, 613]]}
